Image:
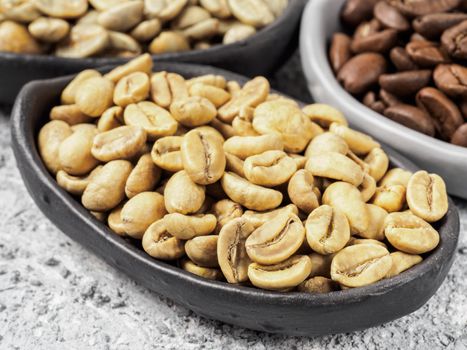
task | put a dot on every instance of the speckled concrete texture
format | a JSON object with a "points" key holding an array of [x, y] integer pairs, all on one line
{"points": [[56, 295]]}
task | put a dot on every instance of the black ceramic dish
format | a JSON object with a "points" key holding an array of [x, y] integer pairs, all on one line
{"points": [[259, 55], [291, 313]]}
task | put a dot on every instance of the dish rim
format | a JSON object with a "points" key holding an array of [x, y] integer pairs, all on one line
{"points": [[24, 139]]}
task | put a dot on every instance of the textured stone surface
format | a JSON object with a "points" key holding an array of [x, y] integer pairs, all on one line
{"points": [[56, 295]]}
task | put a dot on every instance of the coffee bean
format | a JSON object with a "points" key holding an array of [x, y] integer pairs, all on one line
{"points": [[423, 7], [454, 40], [451, 79], [405, 83], [355, 11], [390, 17], [401, 59], [361, 72], [378, 42], [433, 25], [370, 101], [460, 136], [426, 53], [441, 109], [411, 117], [388, 99], [463, 107], [339, 52]]}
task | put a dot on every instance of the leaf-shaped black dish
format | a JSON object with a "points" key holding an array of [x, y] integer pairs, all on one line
{"points": [[289, 313], [260, 54]]}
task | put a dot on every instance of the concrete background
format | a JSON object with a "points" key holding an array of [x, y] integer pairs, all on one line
{"points": [[56, 295]]}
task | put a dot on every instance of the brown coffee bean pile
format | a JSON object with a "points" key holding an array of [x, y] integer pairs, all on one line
{"points": [[407, 61], [236, 183], [125, 28]]}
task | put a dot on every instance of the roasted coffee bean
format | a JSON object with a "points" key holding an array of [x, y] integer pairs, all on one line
{"points": [[356, 11], [451, 79], [411, 117], [423, 7], [401, 59], [426, 53], [454, 40], [361, 72], [390, 17], [388, 99], [287, 274], [379, 42], [405, 83], [426, 196], [441, 109], [370, 101], [410, 234], [339, 52], [231, 251], [433, 25], [360, 265], [460, 136]]}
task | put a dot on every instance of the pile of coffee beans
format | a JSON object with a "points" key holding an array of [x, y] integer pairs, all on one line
{"points": [[236, 183], [407, 61], [125, 28]]}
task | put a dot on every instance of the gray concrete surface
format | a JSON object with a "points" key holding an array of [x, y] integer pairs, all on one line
{"points": [[56, 295]]}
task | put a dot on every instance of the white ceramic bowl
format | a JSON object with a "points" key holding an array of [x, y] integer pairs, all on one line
{"points": [[320, 20]]}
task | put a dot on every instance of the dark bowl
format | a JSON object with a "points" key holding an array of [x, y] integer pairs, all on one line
{"points": [[260, 54], [290, 313]]}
